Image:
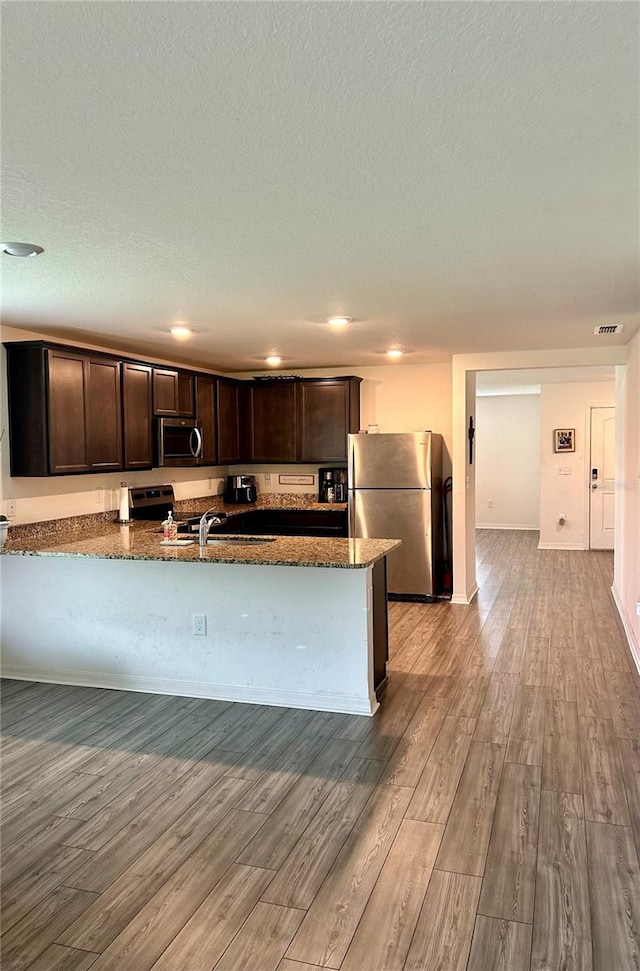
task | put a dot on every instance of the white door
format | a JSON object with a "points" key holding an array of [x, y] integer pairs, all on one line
{"points": [[601, 468]]}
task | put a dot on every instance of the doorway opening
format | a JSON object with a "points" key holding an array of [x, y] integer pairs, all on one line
{"points": [[524, 481]]}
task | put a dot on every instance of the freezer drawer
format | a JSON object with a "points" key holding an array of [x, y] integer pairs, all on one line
{"points": [[403, 514]]}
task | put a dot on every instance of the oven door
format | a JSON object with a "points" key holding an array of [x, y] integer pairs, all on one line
{"points": [[179, 442]]}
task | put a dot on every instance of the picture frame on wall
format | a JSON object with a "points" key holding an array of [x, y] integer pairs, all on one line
{"points": [[564, 439]]}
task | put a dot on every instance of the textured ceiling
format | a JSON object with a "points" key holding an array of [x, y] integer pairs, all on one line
{"points": [[457, 177]]}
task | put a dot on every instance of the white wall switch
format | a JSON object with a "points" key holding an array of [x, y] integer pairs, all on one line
{"points": [[564, 470], [490, 503], [11, 507], [99, 497]]}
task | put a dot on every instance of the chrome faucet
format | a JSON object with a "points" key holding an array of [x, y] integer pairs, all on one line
{"points": [[205, 526]]}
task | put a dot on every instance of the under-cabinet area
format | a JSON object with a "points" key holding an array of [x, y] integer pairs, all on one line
{"points": [[74, 411]]}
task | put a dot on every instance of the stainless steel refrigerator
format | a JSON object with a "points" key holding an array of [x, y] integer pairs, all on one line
{"points": [[395, 492]]}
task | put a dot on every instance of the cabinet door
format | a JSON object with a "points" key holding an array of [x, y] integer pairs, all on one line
{"points": [[185, 395], [206, 415], [273, 422], [228, 418], [172, 393], [67, 431], [136, 399], [103, 420], [165, 391], [325, 409]]}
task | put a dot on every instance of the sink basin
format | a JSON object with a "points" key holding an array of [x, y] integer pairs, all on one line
{"points": [[240, 540]]}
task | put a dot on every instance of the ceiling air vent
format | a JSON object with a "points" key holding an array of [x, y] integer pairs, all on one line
{"points": [[608, 329]]}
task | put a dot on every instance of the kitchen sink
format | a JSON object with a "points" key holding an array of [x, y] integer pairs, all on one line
{"points": [[239, 540]]}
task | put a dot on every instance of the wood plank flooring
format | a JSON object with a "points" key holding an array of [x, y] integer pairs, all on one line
{"points": [[487, 818]]}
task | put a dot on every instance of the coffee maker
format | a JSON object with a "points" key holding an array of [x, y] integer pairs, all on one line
{"points": [[240, 489], [332, 485]]}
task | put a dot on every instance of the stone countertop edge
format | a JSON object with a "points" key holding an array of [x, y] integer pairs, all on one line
{"points": [[140, 542]]}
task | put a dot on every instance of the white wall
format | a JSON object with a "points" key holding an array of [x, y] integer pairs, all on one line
{"points": [[626, 584], [508, 461], [567, 406]]}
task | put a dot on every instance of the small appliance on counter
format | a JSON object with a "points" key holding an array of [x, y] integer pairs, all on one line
{"points": [[332, 485], [240, 489]]}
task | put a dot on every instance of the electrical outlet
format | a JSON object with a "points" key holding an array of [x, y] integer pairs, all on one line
{"points": [[11, 507], [200, 624], [267, 478], [99, 497]]}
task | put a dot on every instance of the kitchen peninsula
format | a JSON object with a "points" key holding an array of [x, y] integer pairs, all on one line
{"points": [[296, 621]]}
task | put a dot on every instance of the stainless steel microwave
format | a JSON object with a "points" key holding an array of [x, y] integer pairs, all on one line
{"points": [[178, 442]]}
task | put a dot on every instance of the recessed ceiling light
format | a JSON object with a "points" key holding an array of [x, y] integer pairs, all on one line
{"points": [[21, 249], [394, 352], [274, 360], [339, 321], [180, 332]]}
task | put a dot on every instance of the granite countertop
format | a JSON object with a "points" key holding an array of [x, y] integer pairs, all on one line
{"points": [[102, 539]]}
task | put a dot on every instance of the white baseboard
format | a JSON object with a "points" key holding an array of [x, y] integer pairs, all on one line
{"points": [[561, 546], [462, 599], [632, 640], [506, 526], [198, 689]]}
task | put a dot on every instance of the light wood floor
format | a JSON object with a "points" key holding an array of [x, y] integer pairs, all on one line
{"points": [[487, 818]]}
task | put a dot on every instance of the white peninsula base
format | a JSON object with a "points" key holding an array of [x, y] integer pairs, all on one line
{"points": [[302, 637]]}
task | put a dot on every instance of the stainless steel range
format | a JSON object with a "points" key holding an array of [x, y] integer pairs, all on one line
{"points": [[153, 503]]}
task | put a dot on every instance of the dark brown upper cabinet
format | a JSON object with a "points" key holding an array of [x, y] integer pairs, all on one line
{"points": [[306, 420], [229, 421], [328, 409], [137, 416], [73, 411], [103, 414], [206, 412], [172, 393], [273, 421], [64, 411]]}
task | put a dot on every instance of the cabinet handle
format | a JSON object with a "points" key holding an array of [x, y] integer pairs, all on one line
{"points": [[197, 453]]}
